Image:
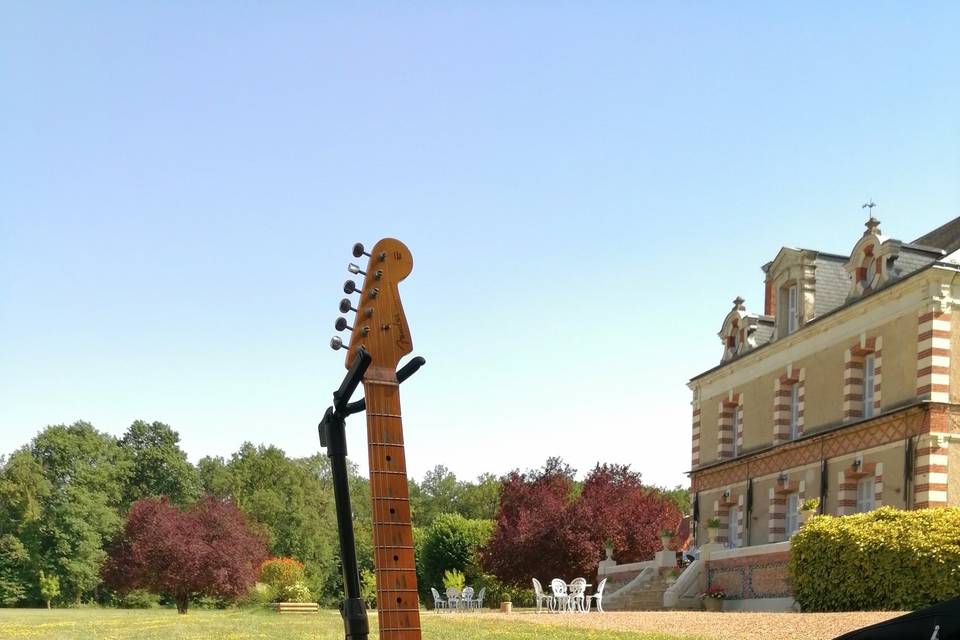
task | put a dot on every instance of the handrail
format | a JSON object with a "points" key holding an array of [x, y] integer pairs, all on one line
{"points": [[645, 576], [688, 579]]}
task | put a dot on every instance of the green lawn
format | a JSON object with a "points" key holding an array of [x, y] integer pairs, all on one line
{"points": [[165, 624]]}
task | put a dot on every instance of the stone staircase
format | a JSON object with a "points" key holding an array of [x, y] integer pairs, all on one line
{"points": [[643, 597]]}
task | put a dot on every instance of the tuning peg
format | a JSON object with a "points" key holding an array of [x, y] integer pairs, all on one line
{"points": [[358, 250], [355, 268], [337, 343], [346, 306], [341, 324], [350, 287]]}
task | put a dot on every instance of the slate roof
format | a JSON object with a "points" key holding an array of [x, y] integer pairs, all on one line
{"points": [[945, 237], [833, 283]]}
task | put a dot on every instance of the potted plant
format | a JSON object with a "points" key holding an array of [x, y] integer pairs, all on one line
{"points": [[713, 598], [506, 604], [672, 576], [666, 536], [713, 528], [608, 548], [808, 508]]}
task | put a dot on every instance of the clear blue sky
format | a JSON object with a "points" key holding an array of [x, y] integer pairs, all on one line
{"points": [[584, 188]]}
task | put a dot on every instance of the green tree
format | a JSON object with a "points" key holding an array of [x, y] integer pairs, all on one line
{"points": [[23, 490], [438, 493], [79, 455], [679, 496], [14, 561], [451, 543], [87, 472], [158, 466], [291, 499], [49, 587], [479, 500]]}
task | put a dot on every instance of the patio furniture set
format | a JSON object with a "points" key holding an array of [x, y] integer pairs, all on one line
{"points": [[568, 598], [458, 600]]}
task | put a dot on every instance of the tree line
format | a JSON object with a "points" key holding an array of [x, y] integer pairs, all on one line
{"points": [[66, 496]]}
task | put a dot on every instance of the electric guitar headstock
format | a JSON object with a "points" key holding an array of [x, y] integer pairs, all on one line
{"points": [[379, 326]]}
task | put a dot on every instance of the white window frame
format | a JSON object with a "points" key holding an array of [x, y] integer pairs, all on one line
{"points": [[869, 384], [733, 531], [794, 411], [792, 305], [791, 519], [866, 498]]}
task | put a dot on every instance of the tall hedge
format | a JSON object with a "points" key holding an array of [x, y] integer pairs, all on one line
{"points": [[884, 559]]}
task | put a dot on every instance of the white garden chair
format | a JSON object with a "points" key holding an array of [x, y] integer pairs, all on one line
{"points": [[453, 598], [438, 601], [541, 597], [598, 596], [466, 598], [478, 602], [578, 587], [561, 598]]}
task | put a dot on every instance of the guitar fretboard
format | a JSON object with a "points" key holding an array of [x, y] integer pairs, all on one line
{"points": [[398, 606]]}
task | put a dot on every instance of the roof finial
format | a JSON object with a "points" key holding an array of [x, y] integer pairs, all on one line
{"points": [[872, 224], [738, 303]]}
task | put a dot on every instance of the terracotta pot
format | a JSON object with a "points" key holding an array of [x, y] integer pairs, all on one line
{"points": [[665, 541], [713, 604], [506, 607]]}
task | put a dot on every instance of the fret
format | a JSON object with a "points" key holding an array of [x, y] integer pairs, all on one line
{"points": [[395, 563]]}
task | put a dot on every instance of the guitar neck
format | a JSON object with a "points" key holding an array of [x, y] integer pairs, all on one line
{"points": [[398, 606]]}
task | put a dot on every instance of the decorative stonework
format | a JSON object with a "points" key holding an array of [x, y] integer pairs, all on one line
{"points": [[872, 260], [738, 331], [853, 391], [930, 474], [696, 434], [782, 398], [933, 355], [892, 427], [847, 480], [730, 425], [760, 576]]}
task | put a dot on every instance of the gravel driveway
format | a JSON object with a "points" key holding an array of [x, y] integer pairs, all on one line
{"points": [[720, 626]]}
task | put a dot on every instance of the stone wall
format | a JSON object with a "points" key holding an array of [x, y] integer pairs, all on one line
{"points": [[754, 578]]}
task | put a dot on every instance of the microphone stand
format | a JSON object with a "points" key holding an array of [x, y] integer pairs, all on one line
{"points": [[334, 438]]}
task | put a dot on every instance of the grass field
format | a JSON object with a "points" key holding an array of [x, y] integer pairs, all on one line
{"points": [[165, 624]]}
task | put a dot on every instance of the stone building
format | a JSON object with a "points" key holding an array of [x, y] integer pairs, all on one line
{"points": [[842, 389]]}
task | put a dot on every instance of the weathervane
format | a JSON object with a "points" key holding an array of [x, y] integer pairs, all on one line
{"points": [[869, 205]]}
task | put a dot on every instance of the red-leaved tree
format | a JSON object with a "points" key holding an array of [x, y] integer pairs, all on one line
{"points": [[542, 531], [207, 549], [617, 507]]}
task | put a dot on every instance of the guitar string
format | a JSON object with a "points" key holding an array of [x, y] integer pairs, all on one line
{"points": [[390, 616]]}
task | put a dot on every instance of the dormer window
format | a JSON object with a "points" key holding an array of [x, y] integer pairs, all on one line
{"points": [[791, 309]]}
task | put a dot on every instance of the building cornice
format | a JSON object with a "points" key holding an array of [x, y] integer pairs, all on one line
{"points": [[844, 322]]}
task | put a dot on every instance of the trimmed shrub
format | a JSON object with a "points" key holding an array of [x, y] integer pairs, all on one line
{"points": [[138, 599], [884, 559], [287, 578], [261, 595]]}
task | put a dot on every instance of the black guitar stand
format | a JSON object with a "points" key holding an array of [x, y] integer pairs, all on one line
{"points": [[333, 436]]}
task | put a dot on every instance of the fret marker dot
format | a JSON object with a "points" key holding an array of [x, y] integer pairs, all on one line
{"points": [[389, 458], [399, 600], [392, 510], [396, 558]]}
